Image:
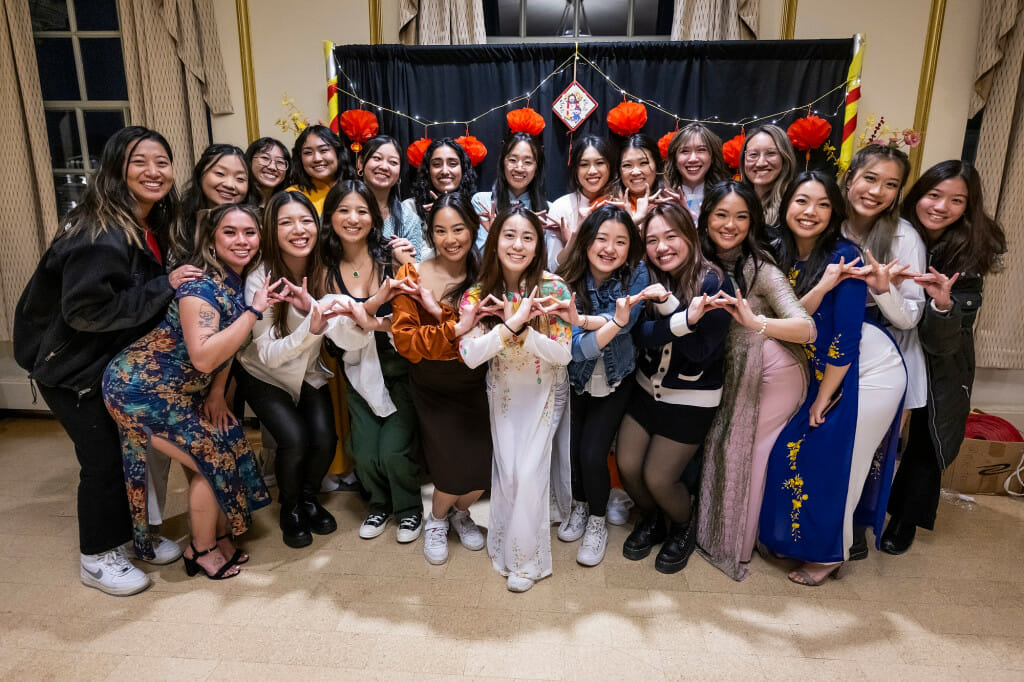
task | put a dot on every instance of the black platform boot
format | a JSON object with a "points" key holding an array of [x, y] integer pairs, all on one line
{"points": [[675, 553], [295, 525], [321, 521], [648, 532]]}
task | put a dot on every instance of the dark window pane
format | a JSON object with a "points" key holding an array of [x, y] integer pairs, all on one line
{"points": [[549, 18], [69, 189], [62, 131], [49, 15], [96, 15], [603, 17], [99, 127], [502, 17], [103, 64], [57, 75], [646, 15]]}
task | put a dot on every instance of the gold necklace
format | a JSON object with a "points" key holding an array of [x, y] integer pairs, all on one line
{"points": [[355, 269]]}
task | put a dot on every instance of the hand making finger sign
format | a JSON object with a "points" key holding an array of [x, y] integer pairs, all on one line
{"points": [[938, 287], [837, 272]]}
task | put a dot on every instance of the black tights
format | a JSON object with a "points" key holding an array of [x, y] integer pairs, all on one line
{"points": [[651, 468], [304, 433], [594, 422]]}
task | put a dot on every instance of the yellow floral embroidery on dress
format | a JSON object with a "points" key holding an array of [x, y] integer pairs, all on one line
{"points": [[833, 349], [795, 485], [794, 274]]}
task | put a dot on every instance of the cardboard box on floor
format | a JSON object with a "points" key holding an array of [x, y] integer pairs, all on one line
{"points": [[982, 467]]}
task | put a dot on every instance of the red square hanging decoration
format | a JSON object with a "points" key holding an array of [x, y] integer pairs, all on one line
{"points": [[574, 105]]}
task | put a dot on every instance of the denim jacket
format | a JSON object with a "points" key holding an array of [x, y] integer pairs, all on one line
{"points": [[619, 355]]}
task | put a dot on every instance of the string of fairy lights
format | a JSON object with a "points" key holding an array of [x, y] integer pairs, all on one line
{"points": [[573, 61]]}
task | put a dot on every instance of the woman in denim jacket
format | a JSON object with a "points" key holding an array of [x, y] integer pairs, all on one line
{"points": [[605, 271]]}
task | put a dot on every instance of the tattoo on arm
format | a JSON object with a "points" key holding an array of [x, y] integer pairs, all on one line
{"points": [[208, 319]]}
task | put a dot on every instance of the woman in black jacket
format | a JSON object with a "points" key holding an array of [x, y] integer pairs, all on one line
{"points": [[946, 208], [100, 286]]}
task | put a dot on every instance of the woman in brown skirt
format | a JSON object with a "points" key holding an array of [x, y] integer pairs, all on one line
{"points": [[450, 398]]}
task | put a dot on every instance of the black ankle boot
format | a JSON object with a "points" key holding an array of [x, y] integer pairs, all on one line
{"points": [[675, 553], [859, 548], [295, 525], [898, 536], [321, 521], [648, 531]]}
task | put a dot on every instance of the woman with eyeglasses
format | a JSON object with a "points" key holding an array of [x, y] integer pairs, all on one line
{"points": [[267, 161], [768, 163]]}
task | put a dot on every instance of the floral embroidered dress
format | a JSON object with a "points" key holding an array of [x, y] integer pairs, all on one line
{"points": [[152, 389], [802, 514], [521, 382]]}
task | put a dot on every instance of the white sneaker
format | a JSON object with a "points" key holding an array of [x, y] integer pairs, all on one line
{"points": [[572, 528], [517, 583], [329, 484], [467, 530], [112, 573], [167, 551], [619, 504], [595, 540], [435, 540], [410, 527], [373, 525]]}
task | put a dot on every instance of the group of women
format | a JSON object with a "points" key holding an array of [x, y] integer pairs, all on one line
{"points": [[749, 349]]}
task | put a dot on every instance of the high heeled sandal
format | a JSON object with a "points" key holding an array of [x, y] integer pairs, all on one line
{"points": [[802, 577], [193, 567], [239, 557]]}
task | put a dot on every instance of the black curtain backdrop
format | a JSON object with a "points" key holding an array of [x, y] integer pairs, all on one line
{"points": [[733, 80]]}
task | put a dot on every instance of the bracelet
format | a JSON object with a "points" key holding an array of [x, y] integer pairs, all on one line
{"points": [[513, 331], [250, 309], [764, 325], [620, 326]]}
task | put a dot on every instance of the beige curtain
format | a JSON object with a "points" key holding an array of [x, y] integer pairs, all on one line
{"points": [[174, 70], [442, 22], [715, 20], [28, 208], [999, 88]]}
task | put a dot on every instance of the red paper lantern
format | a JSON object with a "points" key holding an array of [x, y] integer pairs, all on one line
{"points": [[809, 132], [525, 120], [473, 147], [359, 125], [663, 144], [731, 150], [416, 151], [627, 118]]}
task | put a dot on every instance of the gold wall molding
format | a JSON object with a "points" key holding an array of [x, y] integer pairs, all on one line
{"points": [[252, 116], [929, 64], [376, 23], [789, 19]]}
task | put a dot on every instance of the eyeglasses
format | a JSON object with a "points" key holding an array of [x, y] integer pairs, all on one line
{"points": [[279, 164], [769, 155]]}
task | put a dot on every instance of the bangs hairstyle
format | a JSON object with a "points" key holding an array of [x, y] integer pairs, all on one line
{"points": [[686, 281], [459, 203], [492, 277], [787, 168], [973, 244], [193, 200], [717, 171], [299, 175], [577, 265], [603, 147], [204, 253], [333, 249], [754, 246], [369, 149], [273, 259], [421, 185], [880, 237], [535, 190], [647, 144], [265, 144], [825, 245], [109, 204]]}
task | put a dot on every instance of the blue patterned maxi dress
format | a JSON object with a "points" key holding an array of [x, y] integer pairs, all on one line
{"points": [[152, 389]]}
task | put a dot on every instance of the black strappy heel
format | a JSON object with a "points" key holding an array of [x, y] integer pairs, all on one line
{"points": [[193, 567], [239, 557]]}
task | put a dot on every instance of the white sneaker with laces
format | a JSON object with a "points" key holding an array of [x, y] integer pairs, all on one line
{"points": [[595, 540], [619, 504], [112, 573], [167, 551], [435, 540], [572, 528], [373, 525], [467, 530], [410, 527]]}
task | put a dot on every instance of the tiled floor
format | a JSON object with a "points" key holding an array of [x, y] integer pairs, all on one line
{"points": [[350, 609]]}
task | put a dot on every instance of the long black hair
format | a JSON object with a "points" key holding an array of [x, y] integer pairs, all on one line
{"points": [[754, 246], [576, 266], [300, 177], [825, 246], [461, 204], [603, 147], [333, 250], [421, 185], [193, 200], [368, 150], [535, 190], [259, 146]]}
